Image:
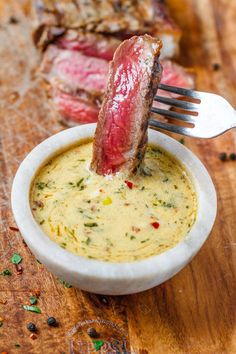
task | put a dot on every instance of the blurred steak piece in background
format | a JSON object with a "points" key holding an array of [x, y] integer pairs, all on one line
{"points": [[77, 82], [78, 39], [122, 19], [79, 108], [91, 44], [76, 70]]}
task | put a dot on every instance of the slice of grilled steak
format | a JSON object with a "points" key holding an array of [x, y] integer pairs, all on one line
{"points": [[78, 82], [120, 18], [121, 134], [80, 106]]}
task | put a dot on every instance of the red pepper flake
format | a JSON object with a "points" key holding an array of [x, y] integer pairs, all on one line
{"points": [[155, 224], [12, 228], [33, 336], [129, 184], [101, 190], [36, 293], [19, 269], [127, 204]]}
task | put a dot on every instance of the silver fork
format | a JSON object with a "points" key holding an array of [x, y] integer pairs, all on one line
{"points": [[211, 115]]}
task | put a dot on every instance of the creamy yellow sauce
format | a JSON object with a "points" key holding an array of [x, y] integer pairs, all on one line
{"points": [[110, 218]]}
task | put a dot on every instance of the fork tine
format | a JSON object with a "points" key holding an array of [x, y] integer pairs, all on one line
{"points": [[171, 114], [180, 91], [177, 103], [170, 127]]}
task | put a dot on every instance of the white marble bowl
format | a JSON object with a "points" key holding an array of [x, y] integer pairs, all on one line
{"points": [[99, 276]]}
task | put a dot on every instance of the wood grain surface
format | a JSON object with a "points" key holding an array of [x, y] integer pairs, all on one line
{"points": [[194, 312]]}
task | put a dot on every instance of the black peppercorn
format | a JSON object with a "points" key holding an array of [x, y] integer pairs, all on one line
{"points": [[104, 300], [232, 156], [92, 333], [215, 66], [13, 20], [51, 321], [31, 327], [223, 156]]}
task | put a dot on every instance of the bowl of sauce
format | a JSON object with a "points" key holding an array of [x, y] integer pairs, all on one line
{"points": [[113, 234]]}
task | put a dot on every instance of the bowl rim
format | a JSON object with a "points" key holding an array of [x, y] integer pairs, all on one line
{"points": [[170, 261]]}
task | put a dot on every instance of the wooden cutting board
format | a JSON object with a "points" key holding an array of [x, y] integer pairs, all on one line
{"points": [[192, 313]]}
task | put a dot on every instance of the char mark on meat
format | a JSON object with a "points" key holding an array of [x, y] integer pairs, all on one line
{"points": [[121, 134]]}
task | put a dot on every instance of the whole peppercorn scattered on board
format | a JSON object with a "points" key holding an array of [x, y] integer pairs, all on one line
{"points": [[93, 333], [232, 156], [51, 321], [31, 327], [223, 156], [216, 66], [104, 300]]}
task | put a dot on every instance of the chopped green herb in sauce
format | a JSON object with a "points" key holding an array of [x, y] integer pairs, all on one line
{"points": [[91, 224], [40, 185], [88, 241], [79, 184]]}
